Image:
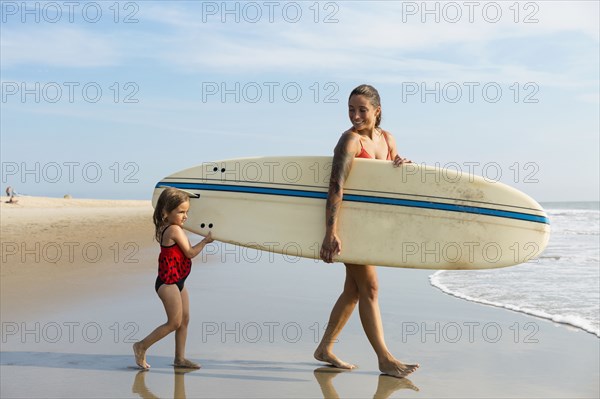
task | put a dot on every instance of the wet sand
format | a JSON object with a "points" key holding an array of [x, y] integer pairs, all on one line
{"points": [[68, 322]]}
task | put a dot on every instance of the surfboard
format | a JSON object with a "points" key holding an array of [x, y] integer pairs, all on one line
{"points": [[412, 216]]}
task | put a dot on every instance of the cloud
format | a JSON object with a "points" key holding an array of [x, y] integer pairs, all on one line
{"points": [[391, 42], [58, 46], [382, 39], [592, 98]]}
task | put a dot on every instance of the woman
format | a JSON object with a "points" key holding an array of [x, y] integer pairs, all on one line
{"points": [[365, 139]]}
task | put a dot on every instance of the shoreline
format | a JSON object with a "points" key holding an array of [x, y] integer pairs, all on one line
{"points": [[582, 325]]}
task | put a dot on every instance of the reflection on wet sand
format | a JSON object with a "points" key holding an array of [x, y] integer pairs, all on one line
{"points": [[386, 384], [139, 384]]}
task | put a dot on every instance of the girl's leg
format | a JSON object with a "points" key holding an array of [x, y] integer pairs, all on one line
{"points": [[171, 299], [181, 334], [365, 278], [341, 312]]}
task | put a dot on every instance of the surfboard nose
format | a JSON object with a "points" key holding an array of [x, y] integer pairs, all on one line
{"points": [[160, 187]]}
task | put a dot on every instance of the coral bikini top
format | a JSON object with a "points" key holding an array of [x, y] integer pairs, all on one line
{"points": [[364, 154]]}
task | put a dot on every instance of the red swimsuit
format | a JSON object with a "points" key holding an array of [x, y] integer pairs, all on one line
{"points": [[173, 265], [364, 154]]}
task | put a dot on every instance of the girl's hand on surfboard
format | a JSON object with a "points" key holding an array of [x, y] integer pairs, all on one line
{"points": [[331, 246], [399, 161], [208, 239]]}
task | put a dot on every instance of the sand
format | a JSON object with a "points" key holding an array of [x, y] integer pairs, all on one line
{"points": [[68, 322], [54, 243]]}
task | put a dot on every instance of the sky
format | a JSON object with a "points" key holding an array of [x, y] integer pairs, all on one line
{"points": [[101, 99]]}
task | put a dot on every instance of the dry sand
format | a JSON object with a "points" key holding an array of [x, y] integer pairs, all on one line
{"points": [[49, 243], [68, 322]]}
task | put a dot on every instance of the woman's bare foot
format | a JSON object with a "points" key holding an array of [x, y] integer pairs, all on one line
{"points": [[140, 356], [396, 368], [332, 359], [186, 364]]}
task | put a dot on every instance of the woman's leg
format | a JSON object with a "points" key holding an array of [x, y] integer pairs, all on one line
{"points": [[171, 299], [365, 278], [341, 312]]}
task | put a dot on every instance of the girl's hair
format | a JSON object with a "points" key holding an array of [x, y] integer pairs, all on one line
{"points": [[169, 199], [372, 94]]}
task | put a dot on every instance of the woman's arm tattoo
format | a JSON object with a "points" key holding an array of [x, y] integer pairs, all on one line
{"points": [[340, 169]]}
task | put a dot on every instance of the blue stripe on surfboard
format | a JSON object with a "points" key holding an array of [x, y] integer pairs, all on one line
{"points": [[361, 198]]}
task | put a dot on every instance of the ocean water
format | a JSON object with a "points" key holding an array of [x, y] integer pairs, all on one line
{"points": [[562, 285]]}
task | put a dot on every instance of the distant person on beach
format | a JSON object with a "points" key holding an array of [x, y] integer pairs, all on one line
{"points": [[174, 266], [365, 139], [10, 193]]}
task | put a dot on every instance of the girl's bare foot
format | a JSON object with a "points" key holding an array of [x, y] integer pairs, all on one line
{"points": [[328, 357], [140, 356], [186, 364], [396, 368]]}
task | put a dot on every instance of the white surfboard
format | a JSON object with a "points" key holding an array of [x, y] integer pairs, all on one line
{"points": [[413, 216]]}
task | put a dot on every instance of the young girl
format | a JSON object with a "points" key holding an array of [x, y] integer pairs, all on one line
{"points": [[174, 265]]}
